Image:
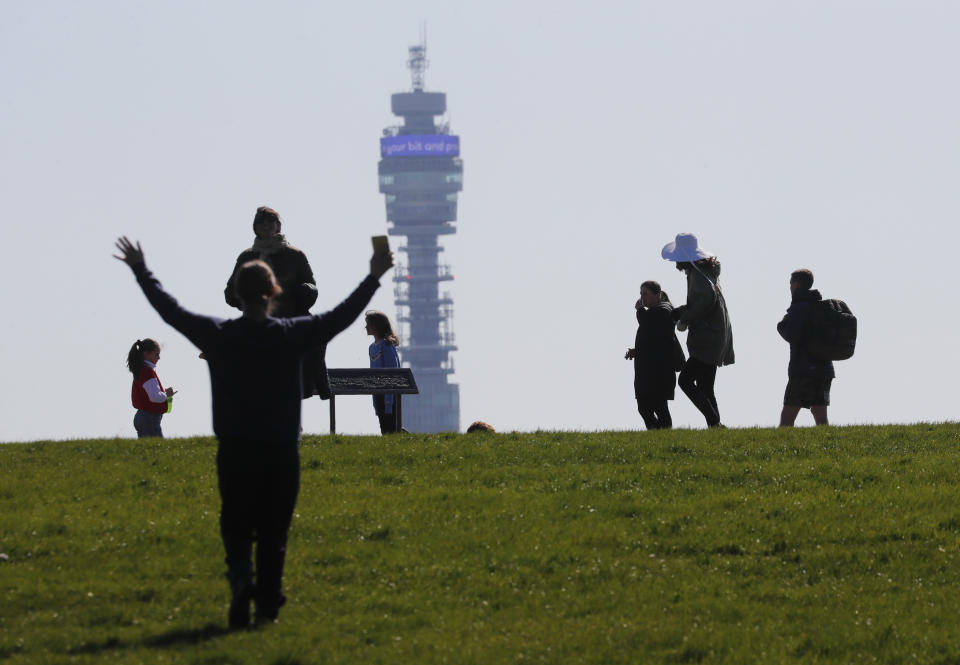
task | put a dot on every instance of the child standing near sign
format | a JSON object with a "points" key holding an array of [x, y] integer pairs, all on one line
{"points": [[383, 353], [147, 394]]}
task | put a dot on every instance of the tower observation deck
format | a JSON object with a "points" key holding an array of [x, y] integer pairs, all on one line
{"points": [[420, 174]]}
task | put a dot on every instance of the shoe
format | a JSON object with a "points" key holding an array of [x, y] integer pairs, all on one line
{"points": [[239, 615], [267, 612], [263, 620]]}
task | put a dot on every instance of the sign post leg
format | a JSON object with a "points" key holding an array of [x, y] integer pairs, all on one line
{"points": [[399, 413], [333, 414]]}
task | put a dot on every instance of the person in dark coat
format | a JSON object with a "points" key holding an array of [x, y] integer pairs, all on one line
{"points": [[657, 356], [299, 289], [808, 378], [256, 391], [705, 317]]}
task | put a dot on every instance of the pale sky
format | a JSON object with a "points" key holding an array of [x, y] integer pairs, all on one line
{"points": [[809, 133]]}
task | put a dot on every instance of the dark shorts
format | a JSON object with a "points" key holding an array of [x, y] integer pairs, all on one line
{"points": [[807, 391]]}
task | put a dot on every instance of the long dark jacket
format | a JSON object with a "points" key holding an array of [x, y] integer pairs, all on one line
{"points": [[657, 355], [710, 335], [794, 328], [293, 273]]}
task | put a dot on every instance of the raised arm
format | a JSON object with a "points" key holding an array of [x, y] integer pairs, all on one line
{"points": [[195, 327], [130, 254], [329, 325]]}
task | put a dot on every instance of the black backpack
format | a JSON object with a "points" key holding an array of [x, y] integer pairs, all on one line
{"points": [[832, 330]]}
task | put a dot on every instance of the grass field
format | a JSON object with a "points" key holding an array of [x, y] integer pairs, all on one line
{"points": [[827, 545]]}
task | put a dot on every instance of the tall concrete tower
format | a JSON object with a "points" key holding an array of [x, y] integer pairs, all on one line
{"points": [[420, 174]]}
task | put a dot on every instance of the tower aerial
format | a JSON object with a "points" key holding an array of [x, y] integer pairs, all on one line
{"points": [[420, 174]]}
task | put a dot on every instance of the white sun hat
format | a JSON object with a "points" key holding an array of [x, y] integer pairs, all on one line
{"points": [[684, 248]]}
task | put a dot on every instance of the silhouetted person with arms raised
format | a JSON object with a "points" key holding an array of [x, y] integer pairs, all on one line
{"points": [[255, 380], [705, 317], [657, 356], [298, 289], [808, 377]]}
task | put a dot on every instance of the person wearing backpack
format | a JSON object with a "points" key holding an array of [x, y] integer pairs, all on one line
{"points": [[808, 376]]}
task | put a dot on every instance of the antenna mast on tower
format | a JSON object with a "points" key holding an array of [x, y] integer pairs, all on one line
{"points": [[417, 62]]}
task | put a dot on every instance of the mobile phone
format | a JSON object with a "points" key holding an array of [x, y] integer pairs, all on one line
{"points": [[381, 244]]}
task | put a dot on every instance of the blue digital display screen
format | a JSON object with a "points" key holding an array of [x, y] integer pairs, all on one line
{"points": [[420, 145]]}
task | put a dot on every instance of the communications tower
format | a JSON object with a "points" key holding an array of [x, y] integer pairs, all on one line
{"points": [[420, 174]]}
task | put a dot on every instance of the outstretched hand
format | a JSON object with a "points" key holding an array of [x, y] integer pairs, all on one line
{"points": [[132, 254], [380, 263]]}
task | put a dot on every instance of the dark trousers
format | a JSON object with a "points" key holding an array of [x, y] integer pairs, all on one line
{"points": [[696, 381], [147, 424], [388, 421], [315, 379], [655, 413], [259, 482]]}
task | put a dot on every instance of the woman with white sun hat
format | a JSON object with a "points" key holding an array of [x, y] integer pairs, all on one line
{"points": [[705, 317]]}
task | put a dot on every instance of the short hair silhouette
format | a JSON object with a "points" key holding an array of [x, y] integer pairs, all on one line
{"points": [[803, 277], [265, 214], [480, 426], [654, 287], [255, 282]]}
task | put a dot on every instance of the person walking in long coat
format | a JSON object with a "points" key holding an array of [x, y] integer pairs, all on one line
{"points": [[705, 317], [657, 356]]}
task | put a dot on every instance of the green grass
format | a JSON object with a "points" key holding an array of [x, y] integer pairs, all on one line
{"points": [[826, 545]]}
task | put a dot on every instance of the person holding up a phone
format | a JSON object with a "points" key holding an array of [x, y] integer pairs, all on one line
{"points": [[380, 244], [255, 363]]}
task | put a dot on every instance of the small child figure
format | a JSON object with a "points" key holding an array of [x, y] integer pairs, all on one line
{"points": [[383, 353], [149, 397]]}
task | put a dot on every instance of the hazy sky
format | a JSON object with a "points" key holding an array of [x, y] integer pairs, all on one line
{"points": [[820, 134]]}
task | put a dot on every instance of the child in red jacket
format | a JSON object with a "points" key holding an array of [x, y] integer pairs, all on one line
{"points": [[147, 394]]}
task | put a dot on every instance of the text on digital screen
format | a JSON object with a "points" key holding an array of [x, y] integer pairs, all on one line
{"points": [[420, 145]]}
